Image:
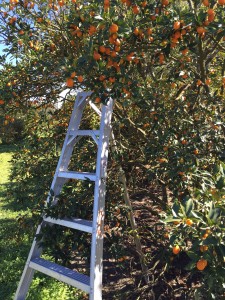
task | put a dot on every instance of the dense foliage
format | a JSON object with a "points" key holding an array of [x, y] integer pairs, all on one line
{"points": [[164, 64]]}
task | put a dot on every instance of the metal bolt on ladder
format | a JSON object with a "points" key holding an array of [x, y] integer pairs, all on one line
{"points": [[90, 284]]}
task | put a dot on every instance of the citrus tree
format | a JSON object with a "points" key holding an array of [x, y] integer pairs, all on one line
{"points": [[164, 64]]}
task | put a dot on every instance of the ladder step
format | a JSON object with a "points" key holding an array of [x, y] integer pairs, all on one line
{"points": [[61, 273], [79, 224], [77, 175], [79, 133], [84, 132]]}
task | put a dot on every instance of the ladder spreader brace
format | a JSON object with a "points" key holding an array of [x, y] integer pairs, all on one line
{"points": [[90, 284]]}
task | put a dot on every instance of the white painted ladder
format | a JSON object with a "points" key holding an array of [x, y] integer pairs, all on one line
{"points": [[90, 284]]}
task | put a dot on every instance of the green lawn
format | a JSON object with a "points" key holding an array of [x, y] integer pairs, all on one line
{"points": [[14, 248]]}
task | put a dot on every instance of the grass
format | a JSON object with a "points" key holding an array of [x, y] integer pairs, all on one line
{"points": [[14, 247]]}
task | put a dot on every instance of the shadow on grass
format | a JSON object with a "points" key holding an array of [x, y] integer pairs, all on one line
{"points": [[13, 199], [13, 250], [4, 148], [9, 199]]}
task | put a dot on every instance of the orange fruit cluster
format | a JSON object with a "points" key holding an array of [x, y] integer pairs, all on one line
{"points": [[70, 80]]}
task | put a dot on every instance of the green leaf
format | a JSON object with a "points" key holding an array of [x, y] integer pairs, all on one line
{"points": [[210, 283], [197, 294], [190, 266], [81, 61], [183, 210], [221, 248], [220, 183], [214, 213], [188, 206], [216, 168], [197, 216], [193, 256], [171, 220], [210, 241], [175, 209], [201, 17], [173, 239], [221, 272]]}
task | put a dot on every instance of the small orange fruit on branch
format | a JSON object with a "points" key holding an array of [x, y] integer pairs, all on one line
{"points": [[201, 264], [203, 248], [97, 100], [80, 78], [200, 30], [113, 28], [189, 222], [205, 3], [221, 2], [176, 25], [176, 249], [96, 55], [69, 82]]}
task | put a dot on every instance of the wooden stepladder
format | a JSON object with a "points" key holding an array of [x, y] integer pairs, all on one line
{"points": [[90, 284]]}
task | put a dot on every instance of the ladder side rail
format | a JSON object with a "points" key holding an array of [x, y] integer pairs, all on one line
{"points": [[96, 264], [28, 273], [74, 123], [67, 149], [80, 102]]}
